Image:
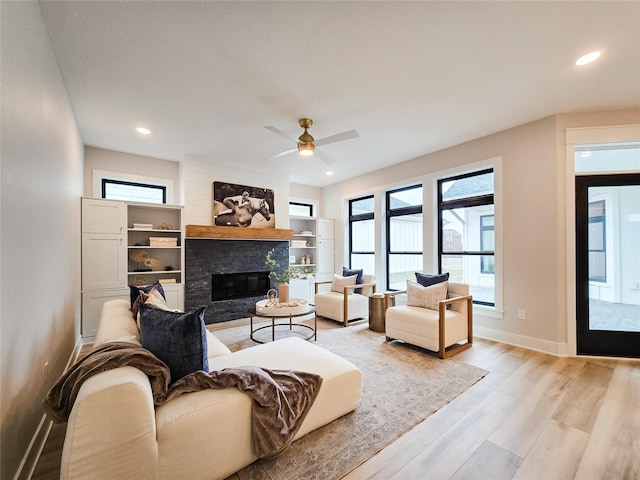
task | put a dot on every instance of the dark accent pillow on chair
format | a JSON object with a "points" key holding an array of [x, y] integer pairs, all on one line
{"points": [[135, 290], [428, 280], [348, 272], [178, 339]]}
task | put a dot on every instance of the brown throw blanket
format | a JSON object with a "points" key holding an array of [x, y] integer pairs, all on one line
{"points": [[281, 398]]}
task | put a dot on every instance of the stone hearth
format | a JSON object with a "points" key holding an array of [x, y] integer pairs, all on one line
{"points": [[205, 257]]}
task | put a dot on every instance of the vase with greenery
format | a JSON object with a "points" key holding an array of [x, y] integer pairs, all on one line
{"points": [[283, 276]]}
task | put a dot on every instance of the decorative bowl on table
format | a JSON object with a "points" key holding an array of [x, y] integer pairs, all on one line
{"points": [[292, 307]]}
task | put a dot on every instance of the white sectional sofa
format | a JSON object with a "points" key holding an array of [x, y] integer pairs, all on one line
{"points": [[114, 431]]}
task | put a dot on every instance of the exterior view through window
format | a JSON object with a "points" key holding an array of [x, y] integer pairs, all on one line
{"points": [[362, 234], [466, 232], [404, 235]]}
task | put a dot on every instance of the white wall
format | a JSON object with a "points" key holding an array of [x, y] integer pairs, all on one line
{"points": [[199, 175], [132, 166], [534, 220], [40, 221]]}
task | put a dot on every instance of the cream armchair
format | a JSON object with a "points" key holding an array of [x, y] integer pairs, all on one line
{"points": [[435, 330], [346, 305]]}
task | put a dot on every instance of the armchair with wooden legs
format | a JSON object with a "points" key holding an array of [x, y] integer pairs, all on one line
{"points": [[439, 330]]}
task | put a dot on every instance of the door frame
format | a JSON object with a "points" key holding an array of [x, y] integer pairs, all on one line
{"points": [[573, 137]]}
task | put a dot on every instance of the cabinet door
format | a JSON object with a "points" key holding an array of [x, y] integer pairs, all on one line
{"points": [[175, 296], [92, 309], [103, 216], [325, 261], [324, 228], [104, 261]]}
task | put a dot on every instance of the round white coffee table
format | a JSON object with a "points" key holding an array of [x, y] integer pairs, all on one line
{"points": [[274, 323]]}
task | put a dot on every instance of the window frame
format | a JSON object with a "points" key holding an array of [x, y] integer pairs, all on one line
{"points": [[399, 212], [105, 181], [483, 228], [302, 204], [467, 202]]}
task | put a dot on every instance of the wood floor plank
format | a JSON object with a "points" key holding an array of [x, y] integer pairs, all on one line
{"points": [[526, 377], [442, 458], [521, 429], [390, 460], [584, 396], [613, 451], [556, 453], [489, 462]]}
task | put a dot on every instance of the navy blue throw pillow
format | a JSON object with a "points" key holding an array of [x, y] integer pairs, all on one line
{"points": [[135, 290], [178, 339], [428, 280], [348, 272]]}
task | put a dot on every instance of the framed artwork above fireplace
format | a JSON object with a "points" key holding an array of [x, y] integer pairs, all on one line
{"points": [[243, 206]]}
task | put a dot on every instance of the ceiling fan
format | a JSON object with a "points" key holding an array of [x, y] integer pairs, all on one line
{"points": [[306, 143]]}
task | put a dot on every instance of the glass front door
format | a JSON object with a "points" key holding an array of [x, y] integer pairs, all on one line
{"points": [[608, 264]]}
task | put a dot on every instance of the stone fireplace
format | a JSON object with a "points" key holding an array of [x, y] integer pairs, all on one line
{"points": [[229, 275]]}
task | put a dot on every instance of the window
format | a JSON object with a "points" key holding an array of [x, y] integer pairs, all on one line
{"points": [[466, 232], [133, 192], [597, 242], [404, 235], [362, 234], [300, 209]]}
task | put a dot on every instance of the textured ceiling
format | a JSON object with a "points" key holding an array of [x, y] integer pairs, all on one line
{"points": [[410, 77]]}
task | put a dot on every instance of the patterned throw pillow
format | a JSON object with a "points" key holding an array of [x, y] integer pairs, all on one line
{"points": [[135, 290], [339, 282], [178, 339], [152, 297], [426, 297]]}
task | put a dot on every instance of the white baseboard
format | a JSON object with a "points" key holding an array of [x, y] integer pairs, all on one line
{"points": [[544, 346], [34, 450]]}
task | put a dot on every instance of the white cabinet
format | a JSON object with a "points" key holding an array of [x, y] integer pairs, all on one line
{"points": [[126, 244], [92, 308], [310, 250], [104, 247]]}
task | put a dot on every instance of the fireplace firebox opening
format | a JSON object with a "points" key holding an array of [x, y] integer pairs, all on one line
{"points": [[227, 286]]}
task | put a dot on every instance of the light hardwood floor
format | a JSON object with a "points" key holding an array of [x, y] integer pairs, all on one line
{"points": [[534, 416]]}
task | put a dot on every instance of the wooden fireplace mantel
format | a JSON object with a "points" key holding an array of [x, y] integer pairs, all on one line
{"points": [[238, 233]]}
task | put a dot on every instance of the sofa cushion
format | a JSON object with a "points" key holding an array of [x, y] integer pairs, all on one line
{"points": [[426, 297], [427, 280], [178, 339], [339, 282], [347, 272]]}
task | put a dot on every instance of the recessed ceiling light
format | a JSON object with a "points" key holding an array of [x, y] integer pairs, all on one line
{"points": [[143, 131], [329, 173], [588, 58]]}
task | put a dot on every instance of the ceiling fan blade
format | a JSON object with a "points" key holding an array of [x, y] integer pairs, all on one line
{"points": [[277, 131], [281, 154], [324, 157], [338, 137]]}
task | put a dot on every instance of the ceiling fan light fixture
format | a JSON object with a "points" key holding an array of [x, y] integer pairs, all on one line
{"points": [[306, 149]]}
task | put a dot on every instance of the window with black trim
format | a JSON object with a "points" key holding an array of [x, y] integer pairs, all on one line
{"points": [[362, 234], [300, 209], [404, 235], [133, 192], [466, 232]]}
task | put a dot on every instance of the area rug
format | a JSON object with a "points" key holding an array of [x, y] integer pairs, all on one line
{"points": [[402, 385]]}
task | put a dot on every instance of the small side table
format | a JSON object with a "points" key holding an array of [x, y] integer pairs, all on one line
{"points": [[376, 312]]}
